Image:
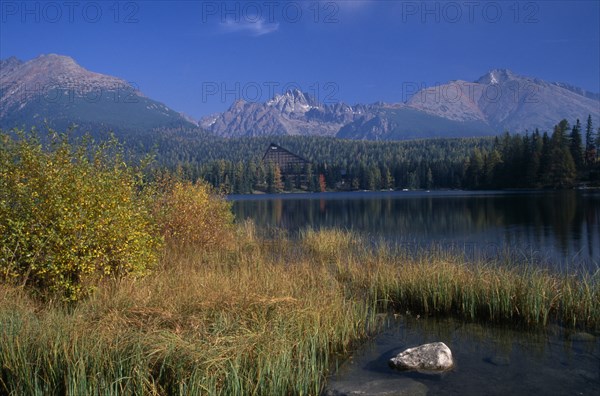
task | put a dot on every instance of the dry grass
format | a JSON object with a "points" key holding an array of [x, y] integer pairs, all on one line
{"points": [[261, 317]]}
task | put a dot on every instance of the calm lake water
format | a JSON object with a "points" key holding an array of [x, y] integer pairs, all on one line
{"points": [[489, 360], [560, 229], [557, 228]]}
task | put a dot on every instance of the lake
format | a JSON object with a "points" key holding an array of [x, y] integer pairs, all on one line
{"points": [[489, 360], [558, 228]]}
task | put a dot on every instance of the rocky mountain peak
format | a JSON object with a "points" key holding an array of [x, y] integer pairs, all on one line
{"points": [[7, 65], [518, 103], [497, 76], [57, 60], [293, 101], [56, 87], [238, 104], [58, 71], [578, 91], [11, 60]]}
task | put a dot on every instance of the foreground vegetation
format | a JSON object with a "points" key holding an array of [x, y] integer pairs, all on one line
{"points": [[262, 317], [216, 309]]}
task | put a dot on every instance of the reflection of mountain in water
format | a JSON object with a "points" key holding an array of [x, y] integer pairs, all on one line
{"points": [[559, 225]]}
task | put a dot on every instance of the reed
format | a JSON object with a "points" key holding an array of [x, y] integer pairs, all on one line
{"points": [[261, 316]]}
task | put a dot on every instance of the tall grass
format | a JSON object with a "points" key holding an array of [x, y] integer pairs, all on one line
{"points": [[259, 316]]}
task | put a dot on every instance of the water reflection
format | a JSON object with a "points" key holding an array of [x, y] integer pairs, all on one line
{"points": [[558, 227], [489, 360]]}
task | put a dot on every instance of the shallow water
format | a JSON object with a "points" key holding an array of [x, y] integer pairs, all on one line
{"points": [[561, 229], [490, 360]]}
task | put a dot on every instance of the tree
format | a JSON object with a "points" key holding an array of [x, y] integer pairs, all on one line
{"points": [[590, 144], [373, 178], [388, 179], [545, 161], [493, 160], [429, 179], [288, 183], [532, 153], [475, 169], [239, 181], [413, 180], [598, 143], [576, 146], [274, 183], [310, 177], [322, 184], [562, 166]]}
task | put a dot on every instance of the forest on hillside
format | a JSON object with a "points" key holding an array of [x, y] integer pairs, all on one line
{"points": [[564, 158]]}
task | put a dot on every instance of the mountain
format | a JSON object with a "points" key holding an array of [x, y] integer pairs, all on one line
{"points": [[54, 89], [293, 113], [507, 101], [402, 122], [498, 101]]}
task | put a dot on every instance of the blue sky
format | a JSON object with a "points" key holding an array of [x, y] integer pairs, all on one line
{"points": [[199, 56]]}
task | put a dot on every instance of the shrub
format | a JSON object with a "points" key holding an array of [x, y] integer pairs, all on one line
{"points": [[70, 214], [191, 214]]}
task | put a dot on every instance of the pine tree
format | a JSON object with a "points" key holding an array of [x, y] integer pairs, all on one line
{"points": [[493, 161], [598, 144], [545, 161], [389, 179], [576, 146], [274, 183], [277, 183], [413, 180], [429, 179], [533, 157], [308, 171], [590, 144], [288, 183], [475, 169], [562, 166], [239, 181], [373, 178]]}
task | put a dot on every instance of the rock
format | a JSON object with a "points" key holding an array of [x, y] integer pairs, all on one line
{"points": [[430, 357], [387, 387]]}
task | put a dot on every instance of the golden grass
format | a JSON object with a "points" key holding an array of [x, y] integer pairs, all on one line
{"points": [[261, 317]]}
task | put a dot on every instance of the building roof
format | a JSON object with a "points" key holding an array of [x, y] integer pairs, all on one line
{"points": [[274, 147], [288, 162]]}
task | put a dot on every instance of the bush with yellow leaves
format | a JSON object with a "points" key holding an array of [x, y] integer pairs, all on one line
{"points": [[192, 214], [71, 215]]}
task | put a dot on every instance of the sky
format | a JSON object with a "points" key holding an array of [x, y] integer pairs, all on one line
{"points": [[198, 57]]}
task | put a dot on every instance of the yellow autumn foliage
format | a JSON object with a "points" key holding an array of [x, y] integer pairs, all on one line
{"points": [[71, 215], [192, 214]]}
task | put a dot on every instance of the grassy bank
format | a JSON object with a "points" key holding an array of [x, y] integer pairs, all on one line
{"points": [[259, 316]]}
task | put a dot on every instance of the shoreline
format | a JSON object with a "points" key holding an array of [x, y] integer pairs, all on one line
{"points": [[264, 317], [396, 193]]}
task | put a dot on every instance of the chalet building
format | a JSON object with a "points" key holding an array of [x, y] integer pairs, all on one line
{"points": [[289, 164]]}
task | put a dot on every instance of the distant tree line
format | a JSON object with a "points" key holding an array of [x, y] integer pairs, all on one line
{"points": [[236, 166], [562, 159]]}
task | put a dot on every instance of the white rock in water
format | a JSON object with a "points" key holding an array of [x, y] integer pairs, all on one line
{"points": [[435, 356]]}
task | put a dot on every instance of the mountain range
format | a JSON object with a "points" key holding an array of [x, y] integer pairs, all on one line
{"points": [[55, 90], [498, 101]]}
